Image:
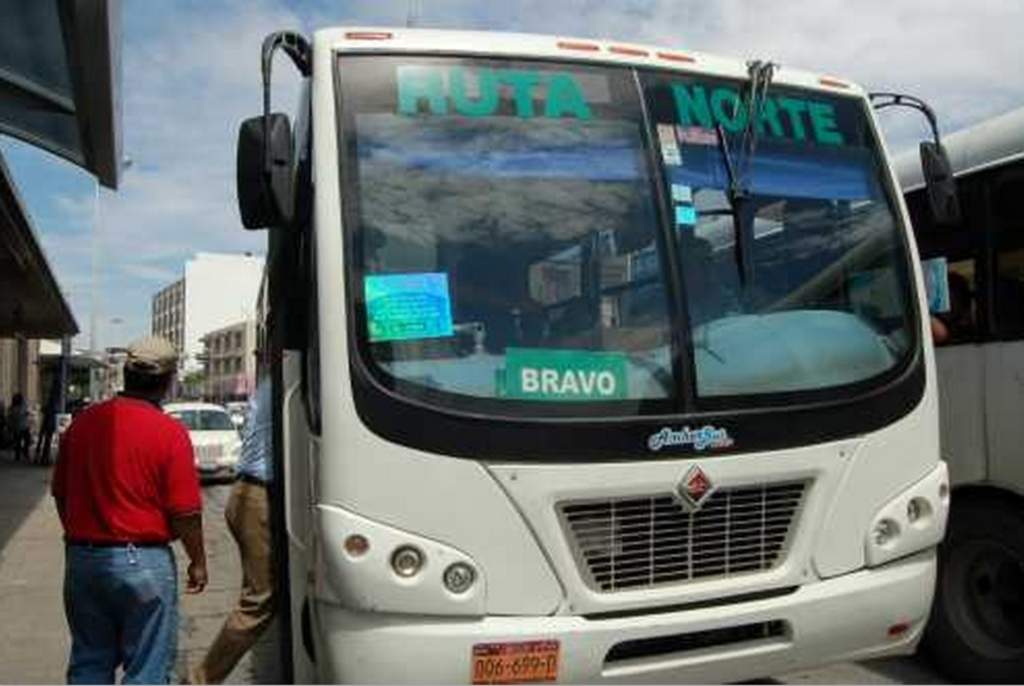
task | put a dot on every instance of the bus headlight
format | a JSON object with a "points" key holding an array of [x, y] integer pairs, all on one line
{"points": [[374, 567], [406, 561], [913, 521], [459, 577]]}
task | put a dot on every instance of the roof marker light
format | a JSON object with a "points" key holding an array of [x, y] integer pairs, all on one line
{"points": [[574, 45], [676, 57], [835, 83], [369, 35], [623, 50]]}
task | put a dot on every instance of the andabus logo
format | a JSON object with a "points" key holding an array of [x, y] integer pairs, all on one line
{"points": [[700, 439]]}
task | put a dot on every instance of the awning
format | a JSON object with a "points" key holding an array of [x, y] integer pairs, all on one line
{"points": [[60, 78], [31, 303]]}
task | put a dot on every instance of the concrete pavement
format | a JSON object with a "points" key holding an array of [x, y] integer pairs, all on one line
{"points": [[34, 639]]}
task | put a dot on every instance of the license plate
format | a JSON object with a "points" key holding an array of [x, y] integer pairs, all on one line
{"points": [[515, 663]]}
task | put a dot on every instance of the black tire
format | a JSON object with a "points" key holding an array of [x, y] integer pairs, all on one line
{"points": [[976, 630]]}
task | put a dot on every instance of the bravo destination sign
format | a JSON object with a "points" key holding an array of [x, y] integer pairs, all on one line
{"points": [[564, 375]]}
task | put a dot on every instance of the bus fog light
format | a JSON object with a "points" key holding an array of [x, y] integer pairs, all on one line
{"points": [[918, 510], [406, 561], [357, 545], [885, 532], [459, 577]]}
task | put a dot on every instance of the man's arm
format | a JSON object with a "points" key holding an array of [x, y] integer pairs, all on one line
{"points": [[189, 528], [58, 486], [184, 506]]}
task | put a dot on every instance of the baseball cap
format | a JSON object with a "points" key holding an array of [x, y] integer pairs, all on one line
{"points": [[152, 355]]}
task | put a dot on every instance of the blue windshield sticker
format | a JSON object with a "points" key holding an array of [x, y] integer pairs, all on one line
{"points": [[681, 193], [403, 307], [686, 215], [936, 283]]}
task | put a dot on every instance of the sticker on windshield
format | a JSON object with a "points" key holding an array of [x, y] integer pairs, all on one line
{"points": [[564, 375], [669, 147], [936, 284], [681, 193], [408, 306], [697, 135], [686, 215]]}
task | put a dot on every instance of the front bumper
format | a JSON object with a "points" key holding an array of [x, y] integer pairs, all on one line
{"points": [[844, 618]]}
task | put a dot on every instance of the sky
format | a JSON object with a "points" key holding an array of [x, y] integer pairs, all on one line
{"points": [[191, 74]]}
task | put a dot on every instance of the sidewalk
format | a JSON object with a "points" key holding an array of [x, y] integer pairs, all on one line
{"points": [[34, 641]]}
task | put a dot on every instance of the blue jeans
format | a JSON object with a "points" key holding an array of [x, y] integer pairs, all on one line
{"points": [[122, 608]]}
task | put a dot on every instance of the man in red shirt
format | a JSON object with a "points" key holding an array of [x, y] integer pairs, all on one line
{"points": [[126, 486]]}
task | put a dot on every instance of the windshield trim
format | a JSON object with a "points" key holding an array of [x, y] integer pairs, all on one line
{"points": [[904, 381]]}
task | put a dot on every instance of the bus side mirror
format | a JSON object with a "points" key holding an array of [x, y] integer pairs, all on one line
{"points": [[940, 184], [264, 172]]}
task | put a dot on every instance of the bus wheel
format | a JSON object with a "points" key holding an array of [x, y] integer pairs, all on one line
{"points": [[976, 630]]}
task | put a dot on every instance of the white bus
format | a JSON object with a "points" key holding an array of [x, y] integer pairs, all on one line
{"points": [[977, 627], [602, 363]]}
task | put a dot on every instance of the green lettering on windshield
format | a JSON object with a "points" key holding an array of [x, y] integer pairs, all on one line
{"points": [[560, 93], [692, 107], [770, 116], [732, 118], [565, 97], [485, 104], [793, 108], [823, 122], [522, 83], [420, 83], [781, 117]]}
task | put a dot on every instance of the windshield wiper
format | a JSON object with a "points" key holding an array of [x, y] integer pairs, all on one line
{"points": [[738, 192]]}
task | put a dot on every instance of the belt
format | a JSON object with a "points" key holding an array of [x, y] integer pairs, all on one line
{"points": [[250, 479], [83, 543]]}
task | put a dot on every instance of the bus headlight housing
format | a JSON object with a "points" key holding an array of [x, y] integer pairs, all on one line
{"points": [[912, 521], [368, 566]]}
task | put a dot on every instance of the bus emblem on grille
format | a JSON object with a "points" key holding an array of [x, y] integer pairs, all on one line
{"points": [[695, 487]]}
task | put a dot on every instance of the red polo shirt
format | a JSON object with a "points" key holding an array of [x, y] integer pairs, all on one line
{"points": [[125, 469]]}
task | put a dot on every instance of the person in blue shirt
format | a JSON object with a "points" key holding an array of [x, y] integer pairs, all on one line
{"points": [[248, 517]]}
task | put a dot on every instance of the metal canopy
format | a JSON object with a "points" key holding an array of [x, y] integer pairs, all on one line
{"points": [[31, 303], [60, 77]]}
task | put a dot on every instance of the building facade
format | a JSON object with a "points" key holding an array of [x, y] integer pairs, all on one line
{"points": [[230, 362], [216, 291], [167, 315]]}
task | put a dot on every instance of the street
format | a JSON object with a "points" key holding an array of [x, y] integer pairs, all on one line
{"points": [[33, 647]]}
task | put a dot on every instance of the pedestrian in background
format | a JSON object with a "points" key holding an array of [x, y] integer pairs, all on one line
{"points": [[126, 486], [248, 517], [17, 418], [48, 427]]}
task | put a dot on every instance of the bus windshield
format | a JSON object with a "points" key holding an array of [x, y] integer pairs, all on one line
{"points": [[533, 233]]}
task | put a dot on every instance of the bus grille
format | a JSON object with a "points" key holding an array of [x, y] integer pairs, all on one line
{"points": [[649, 541]]}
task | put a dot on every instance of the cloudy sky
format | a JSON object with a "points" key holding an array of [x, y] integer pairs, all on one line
{"points": [[191, 73]]}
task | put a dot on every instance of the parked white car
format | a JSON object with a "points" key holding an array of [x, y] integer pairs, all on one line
{"points": [[215, 438], [239, 412]]}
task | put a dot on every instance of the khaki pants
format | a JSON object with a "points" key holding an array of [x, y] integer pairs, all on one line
{"points": [[248, 519]]}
